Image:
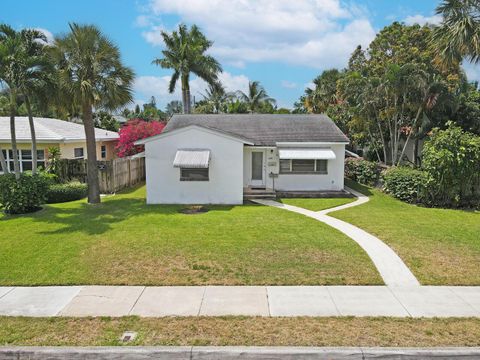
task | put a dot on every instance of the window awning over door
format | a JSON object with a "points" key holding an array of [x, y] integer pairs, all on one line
{"points": [[306, 154], [192, 158]]}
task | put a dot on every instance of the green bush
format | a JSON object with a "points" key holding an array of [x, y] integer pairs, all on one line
{"points": [[405, 183], [24, 195], [451, 158], [362, 171], [66, 192]]}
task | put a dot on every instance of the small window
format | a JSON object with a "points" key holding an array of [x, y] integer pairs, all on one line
{"points": [[103, 151], [303, 165], [188, 174], [285, 165], [321, 166], [78, 153]]}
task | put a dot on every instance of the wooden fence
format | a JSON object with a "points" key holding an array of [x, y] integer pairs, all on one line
{"points": [[113, 175]]}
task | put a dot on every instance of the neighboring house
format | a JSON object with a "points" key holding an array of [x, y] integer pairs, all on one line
{"points": [[214, 159], [67, 136]]}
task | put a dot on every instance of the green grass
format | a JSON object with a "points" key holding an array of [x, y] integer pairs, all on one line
{"points": [[241, 331], [125, 241], [440, 246], [317, 204]]}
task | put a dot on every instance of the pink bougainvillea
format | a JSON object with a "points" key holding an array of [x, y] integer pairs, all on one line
{"points": [[133, 130]]}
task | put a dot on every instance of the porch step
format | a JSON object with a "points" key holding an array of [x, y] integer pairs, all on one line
{"points": [[249, 193]]}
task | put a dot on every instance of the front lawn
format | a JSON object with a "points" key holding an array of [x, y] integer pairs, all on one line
{"points": [[241, 331], [317, 204], [440, 246], [124, 241]]}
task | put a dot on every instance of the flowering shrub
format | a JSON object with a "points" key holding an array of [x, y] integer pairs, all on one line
{"points": [[133, 130]]}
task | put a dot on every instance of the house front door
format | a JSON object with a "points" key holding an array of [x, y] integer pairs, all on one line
{"points": [[258, 169]]}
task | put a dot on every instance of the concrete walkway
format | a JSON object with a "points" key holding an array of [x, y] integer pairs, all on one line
{"points": [[115, 301], [392, 269]]}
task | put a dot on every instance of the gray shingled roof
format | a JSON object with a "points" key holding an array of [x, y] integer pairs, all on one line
{"points": [[266, 129], [49, 130]]}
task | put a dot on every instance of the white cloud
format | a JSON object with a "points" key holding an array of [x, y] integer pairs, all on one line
{"points": [[316, 33], [48, 35], [423, 20], [472, 71], [288, 84], [147, 86]]}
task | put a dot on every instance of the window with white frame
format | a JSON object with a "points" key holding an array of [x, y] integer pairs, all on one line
{"points": [[103, 151], [78, 153], [194, 174], [303, 166], [24, 159]]}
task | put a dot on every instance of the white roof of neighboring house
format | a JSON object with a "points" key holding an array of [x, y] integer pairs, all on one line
{"points": [[49, 130]]}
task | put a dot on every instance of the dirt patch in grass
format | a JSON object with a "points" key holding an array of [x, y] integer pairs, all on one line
{"points": [[249, 331]]}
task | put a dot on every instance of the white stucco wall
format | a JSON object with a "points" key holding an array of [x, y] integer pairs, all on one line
{"points": [[225, 185], [333, 180]]}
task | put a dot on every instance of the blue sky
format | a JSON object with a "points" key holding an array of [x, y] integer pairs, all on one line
{"points": [[282, 43]]}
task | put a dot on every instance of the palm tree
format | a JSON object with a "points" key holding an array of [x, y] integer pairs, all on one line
{"points": [[91, 73], [216, 98], [256, 98], [36, 80], [325, 92], [10, 70], [458, 35], [185, 54]]}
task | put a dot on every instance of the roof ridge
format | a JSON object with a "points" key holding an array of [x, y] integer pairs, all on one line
{"points": [[46, 128]]}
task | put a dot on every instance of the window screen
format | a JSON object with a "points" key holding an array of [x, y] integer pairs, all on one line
{"points": [[303, 165], [187, 174], [78, 153]]}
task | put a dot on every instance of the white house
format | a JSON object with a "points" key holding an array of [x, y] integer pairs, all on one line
{"points": [[215, 159]]}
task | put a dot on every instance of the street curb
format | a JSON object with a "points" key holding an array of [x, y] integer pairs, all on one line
{"points": [[234, 352]]}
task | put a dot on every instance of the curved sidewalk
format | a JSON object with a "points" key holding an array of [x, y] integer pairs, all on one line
{"points": [[392, 269]]}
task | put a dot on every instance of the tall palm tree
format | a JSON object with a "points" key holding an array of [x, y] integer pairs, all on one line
{"points": [[91, 73], [185, 54], [257, 96], [10, 70], [36, 80], [458, 35], [324, 93]]}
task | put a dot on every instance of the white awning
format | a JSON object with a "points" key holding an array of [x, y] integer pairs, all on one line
{"points": [[306, 154], [192, 158]]}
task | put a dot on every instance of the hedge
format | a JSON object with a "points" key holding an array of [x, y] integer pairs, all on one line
{"points": [[362, 171], [405, 183], [70, 191], [27, 194]]}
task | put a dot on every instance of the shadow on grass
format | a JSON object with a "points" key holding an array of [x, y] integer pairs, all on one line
{"points": [[99, 218], [365, 190]]}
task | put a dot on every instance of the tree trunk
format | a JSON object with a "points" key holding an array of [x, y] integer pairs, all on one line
{"points": [[188, 99], [184, 101], [32, 134], [3, 163], [92, 171], [13, 135], [415, 151], [419, 112]]}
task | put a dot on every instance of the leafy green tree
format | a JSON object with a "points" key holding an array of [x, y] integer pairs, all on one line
{"points": [[458, 35], [282, 111], [105, 120], [324, 93], [256, 98], [237, 107], [185, 54], [92, 74], [468, 111]]}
